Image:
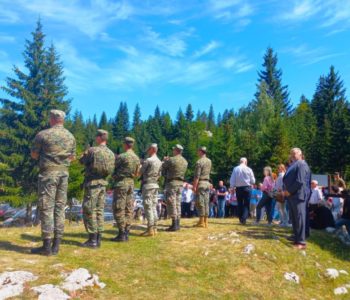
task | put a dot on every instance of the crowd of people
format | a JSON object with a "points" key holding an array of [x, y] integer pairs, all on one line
{"points": [[223, 203], [300, 203]]}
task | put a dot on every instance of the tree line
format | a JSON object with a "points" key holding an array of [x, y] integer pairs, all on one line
{"points": [[263, 131]]}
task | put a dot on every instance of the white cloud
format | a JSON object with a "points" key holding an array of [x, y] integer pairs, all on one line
{"points": [[331, 13], [211, 46], [7, 15], [306, 55], [238, 11], [237, 64], [90, 18], [5, 38], [302, 10], [173, 45]]}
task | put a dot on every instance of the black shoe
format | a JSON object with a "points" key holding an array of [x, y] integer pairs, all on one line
{"points": [[121, 237], [91, 242], [291, 238], [55, 246], [98, 239], [173, 226], [44, 250]]}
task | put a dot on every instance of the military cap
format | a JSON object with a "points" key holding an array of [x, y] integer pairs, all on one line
{"points": [[153, 145], [102, 132], [57, 114], [203, 149], [129, 140], [178, 147]]}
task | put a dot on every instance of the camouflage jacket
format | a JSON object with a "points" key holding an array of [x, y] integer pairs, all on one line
{"points": [[126, 167], [55, 146], [150, 172], [98, 154], [202, 170], [174, 170]]}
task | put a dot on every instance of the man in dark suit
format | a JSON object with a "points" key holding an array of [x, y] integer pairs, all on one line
{"points": [[297, 183]]}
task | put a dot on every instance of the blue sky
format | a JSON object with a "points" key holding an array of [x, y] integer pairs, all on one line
{"points": [[171, 53]]}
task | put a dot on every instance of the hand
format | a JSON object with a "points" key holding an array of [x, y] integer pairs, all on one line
{"points": [[166, 158], [286, 194]]}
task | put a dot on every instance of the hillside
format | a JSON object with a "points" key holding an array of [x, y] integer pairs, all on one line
{"points": [[190, 264]]}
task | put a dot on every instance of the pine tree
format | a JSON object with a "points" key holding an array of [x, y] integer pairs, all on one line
{"points": [[272, 76], [211, 119], [302, 127], [33, 93], [103, 123], [189, 113], [331, 111], [121, 122]]}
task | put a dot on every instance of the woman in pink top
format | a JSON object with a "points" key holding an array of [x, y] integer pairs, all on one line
{"points": [[266, 200]]}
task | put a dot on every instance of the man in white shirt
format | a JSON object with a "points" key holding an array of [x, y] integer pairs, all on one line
{"points": [[242, 179], [316, 196], [187, 196]]}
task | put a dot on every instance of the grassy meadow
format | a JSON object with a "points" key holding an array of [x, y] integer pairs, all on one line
{"points": [[194, 263]]}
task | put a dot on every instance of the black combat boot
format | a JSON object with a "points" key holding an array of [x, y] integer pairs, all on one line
{"points": [[44, 250], [98, 240], [173, 225], [55, 246], [121, 237], [91, 242]]}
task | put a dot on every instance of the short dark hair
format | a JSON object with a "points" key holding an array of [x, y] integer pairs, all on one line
{"points": [[336, 173]]}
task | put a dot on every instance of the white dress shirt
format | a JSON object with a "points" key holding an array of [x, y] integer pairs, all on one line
{"points": [[316, 196], [187, 195], [242, 176]]}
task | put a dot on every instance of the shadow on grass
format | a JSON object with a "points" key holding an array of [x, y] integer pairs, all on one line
{"points": [[64, 241], [6, 245], [330, 243]]}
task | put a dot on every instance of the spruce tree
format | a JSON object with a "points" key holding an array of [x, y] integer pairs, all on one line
{"points": [[211, 119], [33, 92], [272, 76]]}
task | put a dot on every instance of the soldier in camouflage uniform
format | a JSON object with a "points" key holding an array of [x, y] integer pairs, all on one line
{"points": [[127, 166], [201, 186], [99, 163], [55, 149], [173, 170], [150, 172]]}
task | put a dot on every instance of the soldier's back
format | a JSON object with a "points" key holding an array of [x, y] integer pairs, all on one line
{"points": [[56, 146]]}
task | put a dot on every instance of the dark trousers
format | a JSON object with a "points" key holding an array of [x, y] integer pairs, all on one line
{"points": [[266, 202], [186, 210], [297, 210], [243, 199]]}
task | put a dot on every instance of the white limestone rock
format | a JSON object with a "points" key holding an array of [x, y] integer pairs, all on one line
{"points": [[12, 283], [50, 292], [79, 279], [293, 277]]}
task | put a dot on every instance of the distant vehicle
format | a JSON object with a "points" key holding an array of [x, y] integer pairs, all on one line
{"points": [[109, 203], [19, 218], [75, 213], [10, 212], [108, 216], [3, 208]]}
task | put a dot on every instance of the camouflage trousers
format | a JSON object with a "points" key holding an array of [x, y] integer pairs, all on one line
{"points": [[202, 201], [123, 205], [150, 202], [52, 192], [93, 208], [173, 201]]}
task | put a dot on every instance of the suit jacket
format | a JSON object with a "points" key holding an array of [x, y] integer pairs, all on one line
{"points": [[297, 181]]}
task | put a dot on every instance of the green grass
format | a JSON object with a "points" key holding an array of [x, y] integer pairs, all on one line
{"points": [[186, 264]]}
